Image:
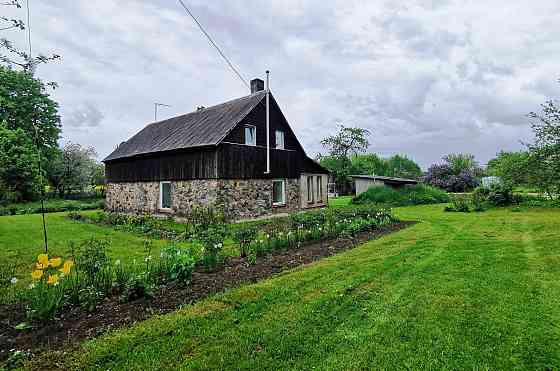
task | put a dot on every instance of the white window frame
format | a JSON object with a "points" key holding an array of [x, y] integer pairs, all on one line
{"points": [[310, 191], [283, 202], [161, 195], [319, 185], [283, 144], [254, 136]]}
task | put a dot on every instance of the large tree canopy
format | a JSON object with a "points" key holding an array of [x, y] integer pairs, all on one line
{"points": [[543, 168], [25, 105], [19, 171], [395, 166]]}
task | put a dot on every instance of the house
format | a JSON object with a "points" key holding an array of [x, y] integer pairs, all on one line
{"points": [[216, 157], [364, 182]]}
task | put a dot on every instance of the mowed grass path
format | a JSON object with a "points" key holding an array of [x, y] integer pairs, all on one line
{"points": [[456, 291]]}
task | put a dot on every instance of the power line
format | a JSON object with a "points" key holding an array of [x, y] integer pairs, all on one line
{"points": [[214, 44]]}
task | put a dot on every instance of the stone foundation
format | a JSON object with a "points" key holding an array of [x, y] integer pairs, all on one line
{"points": [[238, 199]]}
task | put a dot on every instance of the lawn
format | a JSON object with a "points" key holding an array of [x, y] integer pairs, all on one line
{"points": [[52, 205], [21, 240], [456, 291], [340, 201]]}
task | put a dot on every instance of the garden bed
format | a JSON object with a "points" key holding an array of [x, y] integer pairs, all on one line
{"points": [[75, 325]]}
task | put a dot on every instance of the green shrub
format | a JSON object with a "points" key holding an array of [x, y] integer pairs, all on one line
{"points": [[243, 237], [497, 194], [212, 240], [459, 203], [409, 195], [176, 264]]}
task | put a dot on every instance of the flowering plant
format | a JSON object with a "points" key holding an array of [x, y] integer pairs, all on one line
{"points": [[46, 293]]}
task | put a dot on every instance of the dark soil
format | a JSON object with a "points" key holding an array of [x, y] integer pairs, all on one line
{"points": [[75, 325]]}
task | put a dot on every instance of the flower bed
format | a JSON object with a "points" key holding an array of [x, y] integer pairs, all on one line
{"points": [[87, 283]]}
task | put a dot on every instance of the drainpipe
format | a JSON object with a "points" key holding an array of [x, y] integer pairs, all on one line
{"points": [[267, 125]]}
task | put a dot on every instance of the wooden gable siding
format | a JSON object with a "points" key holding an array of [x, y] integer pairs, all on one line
{"points": [[257, 118], [239, 161], [193, 164]]}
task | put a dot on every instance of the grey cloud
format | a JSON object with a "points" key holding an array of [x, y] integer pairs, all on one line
{"points": [[85, 116], [427, 77]]}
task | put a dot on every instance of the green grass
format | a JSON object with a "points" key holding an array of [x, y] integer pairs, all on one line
{"points": [[52, 205], [340, 201], [456, 291], [21, 240]]}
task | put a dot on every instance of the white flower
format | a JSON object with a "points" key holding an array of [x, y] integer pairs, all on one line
{"points": [[267, 235], [13, 280]]}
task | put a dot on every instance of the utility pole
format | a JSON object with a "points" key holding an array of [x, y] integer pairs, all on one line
{"points": [[156, 105]]}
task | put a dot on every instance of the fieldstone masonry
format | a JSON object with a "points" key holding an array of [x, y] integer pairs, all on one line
{"points": [[239, 199]]}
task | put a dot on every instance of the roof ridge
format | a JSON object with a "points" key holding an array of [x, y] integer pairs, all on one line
{"points": [[210, 107]]}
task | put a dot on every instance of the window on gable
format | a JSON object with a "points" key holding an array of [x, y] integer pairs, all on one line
{"points": [[165, 195], [279, 139], [251, 135], [278, 192]]}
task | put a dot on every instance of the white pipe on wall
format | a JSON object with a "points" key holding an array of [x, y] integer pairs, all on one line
{"points": [[267, 125]]}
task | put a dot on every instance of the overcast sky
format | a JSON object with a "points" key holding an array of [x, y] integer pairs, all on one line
{"points": [[427, 77]]}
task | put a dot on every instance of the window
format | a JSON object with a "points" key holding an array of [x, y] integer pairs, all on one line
{"points": [[278, 192], [320, 188], [251, 135], [165, 195], [279, 139], [310, 189]]}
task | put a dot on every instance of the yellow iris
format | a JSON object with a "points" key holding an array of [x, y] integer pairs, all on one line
{"points": [[55, 262], [37, 274], [53, 279], [39, 266], [43, 259], [67, 266]]}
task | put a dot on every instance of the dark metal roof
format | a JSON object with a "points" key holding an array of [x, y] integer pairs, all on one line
{"points": [[386, 179], [204, 127]]}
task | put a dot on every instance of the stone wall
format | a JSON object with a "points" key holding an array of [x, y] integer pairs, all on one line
{"points": [[250, 198], [239, 199]]}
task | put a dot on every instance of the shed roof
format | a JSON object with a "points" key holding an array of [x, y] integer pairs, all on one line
{"points": [[207, 126], [386, 179]]}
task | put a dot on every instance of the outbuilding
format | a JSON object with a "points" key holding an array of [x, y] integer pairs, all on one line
{"points": [[364, 182]]}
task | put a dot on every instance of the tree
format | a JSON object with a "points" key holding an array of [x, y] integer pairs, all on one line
{"points": [[458, 173], [25, 105], [544, 154], [348, 141], [463, 161], [395, 166], [510, 167], [403, 167], [74, 169], [11, 56], [369, 164], [19, 171]]}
